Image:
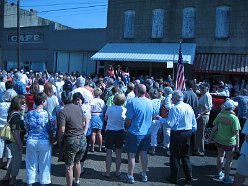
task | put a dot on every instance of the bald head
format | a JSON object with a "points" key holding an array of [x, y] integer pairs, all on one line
{"points": [[140, 90]]}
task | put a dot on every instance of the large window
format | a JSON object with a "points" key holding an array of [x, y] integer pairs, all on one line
{"points": [[129, 19], [188, 28], [222, 22], [157, 23]]}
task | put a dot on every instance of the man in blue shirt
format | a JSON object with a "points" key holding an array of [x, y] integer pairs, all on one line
{"points": [[181, 120], [138, 121]]}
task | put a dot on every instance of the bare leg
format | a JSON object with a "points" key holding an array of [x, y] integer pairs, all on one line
{"points": [[144, 161], [131, 163], [228, 163], [108, 161], [99, 137], [93, 140], [118, 161], [220, 159], [69, 175], [77, 170]]}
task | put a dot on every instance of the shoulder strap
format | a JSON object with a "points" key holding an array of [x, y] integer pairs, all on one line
{"points": [[12, 115]]}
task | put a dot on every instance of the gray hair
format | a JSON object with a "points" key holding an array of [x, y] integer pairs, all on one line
{"points": [[178, 95], [168, 90], [80, 82]]}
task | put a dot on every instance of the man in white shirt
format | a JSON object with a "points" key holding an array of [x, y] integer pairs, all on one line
{"points": [[88, 96], [182, 121]]}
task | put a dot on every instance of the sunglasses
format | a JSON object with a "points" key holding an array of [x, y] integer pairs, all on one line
{"points": [[23, 103]]}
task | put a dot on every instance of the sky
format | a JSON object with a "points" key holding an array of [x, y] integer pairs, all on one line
{"points": [[72, 13]]}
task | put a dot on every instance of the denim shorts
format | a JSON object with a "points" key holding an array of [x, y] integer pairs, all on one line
{"points": [[74, 148], [135, 143], [114, 139]]}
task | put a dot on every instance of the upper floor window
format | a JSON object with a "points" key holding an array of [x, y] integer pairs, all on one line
{"points": [[129, 19], [188, 28], [222, 22], [157, 23]]}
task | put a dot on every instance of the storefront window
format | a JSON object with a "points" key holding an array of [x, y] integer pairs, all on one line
{"points": [[129, 19], [157, 23], [222, 22], [188, 28]]}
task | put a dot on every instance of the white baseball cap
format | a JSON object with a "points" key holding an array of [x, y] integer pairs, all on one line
{"points": [[230, 104]]}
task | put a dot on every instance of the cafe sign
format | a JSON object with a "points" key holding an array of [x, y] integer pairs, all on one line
{"points": [[26, 38]]}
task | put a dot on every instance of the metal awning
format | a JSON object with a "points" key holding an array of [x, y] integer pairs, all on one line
{"points": [[146, 52], [221, 63]]}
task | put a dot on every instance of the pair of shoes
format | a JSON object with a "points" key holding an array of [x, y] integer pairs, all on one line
{"points": [[220, 176], [105, 175], [128, 179], [228, 180], [117, 175], [143, 177], [189, 179], [169, 179]]}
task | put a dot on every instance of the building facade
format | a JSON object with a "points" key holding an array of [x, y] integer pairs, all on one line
{"points": [[217, 28], [45, 44]]}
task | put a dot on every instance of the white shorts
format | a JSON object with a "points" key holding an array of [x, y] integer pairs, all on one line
{"points": [[242, 165]]}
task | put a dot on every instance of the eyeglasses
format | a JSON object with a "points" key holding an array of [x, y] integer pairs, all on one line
{"points": [[23, 103]]}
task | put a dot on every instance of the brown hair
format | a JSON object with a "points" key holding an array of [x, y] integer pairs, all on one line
{"points": [[48, 89], [16, 103], [39, 98], [34, 88]]}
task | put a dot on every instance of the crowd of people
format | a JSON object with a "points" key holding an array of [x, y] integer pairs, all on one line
{"points": [[115, 112]]}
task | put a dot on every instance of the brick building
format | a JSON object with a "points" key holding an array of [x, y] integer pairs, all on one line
{"points": [[217, 29]]}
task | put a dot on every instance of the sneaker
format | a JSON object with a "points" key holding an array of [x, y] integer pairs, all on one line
{"points": [[143, 177], [228, 180], [128, 179], [220, 176]]}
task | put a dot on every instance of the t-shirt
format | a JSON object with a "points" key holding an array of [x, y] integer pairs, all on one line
{"points": [[140, 112], [227, 124], [72, 118], [116, 117]]}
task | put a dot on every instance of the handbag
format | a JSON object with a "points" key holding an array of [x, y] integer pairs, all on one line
{"points": [[6, 132], [163, 112], [52, 135]]}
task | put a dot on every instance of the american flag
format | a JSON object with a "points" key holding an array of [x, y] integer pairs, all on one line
{"points": [[180, 81]]}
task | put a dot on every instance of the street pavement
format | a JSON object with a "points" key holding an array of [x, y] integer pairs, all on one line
{"points": [[204, 170]]}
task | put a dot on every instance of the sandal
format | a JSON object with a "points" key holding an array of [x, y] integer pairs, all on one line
{"points": [[104, 175]]}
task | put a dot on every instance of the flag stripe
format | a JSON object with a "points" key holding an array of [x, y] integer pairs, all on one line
{"points": [[180, 81]]}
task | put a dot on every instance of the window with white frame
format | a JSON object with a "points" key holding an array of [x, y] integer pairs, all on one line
{"points": [[129, 19], [222, 22], [157, 23], [188, 28]]}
